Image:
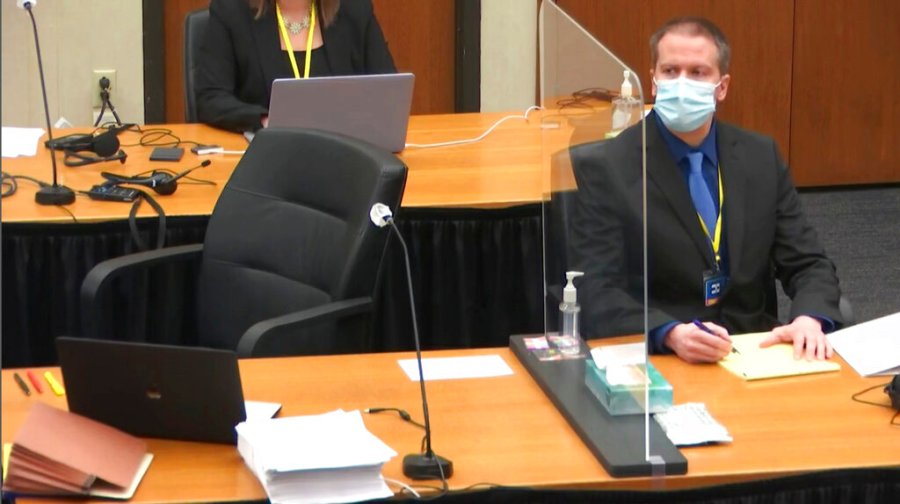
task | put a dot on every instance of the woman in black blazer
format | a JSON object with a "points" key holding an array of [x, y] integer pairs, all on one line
{"points": [[243, 52]]}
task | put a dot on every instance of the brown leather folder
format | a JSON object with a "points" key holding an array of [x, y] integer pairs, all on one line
{"points": [[57, 452]]}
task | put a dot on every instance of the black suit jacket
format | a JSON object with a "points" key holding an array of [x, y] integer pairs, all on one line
{"points": [[241, 56], [765, 233]]}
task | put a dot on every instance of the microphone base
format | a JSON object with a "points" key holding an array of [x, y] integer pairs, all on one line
{"points": [[54, 195], [419, 466]]}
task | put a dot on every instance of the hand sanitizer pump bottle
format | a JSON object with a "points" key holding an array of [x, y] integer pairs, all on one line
{"points": [[569, 340], [624, 106]]}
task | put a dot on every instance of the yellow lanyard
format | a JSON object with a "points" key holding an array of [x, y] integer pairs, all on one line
{"points": [[309, 39], [716, 240]]}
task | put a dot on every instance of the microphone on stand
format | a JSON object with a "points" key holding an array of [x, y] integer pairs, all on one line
{"points": [[428, 465], [53, 194]]}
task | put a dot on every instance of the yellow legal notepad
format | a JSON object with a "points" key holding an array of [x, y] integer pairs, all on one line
{"points": [[751, 362]]}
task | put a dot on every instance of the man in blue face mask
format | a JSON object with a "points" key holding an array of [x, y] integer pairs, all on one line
{"points": [[723, 220]]}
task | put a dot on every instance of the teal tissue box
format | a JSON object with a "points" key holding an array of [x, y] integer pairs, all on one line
{"points": [[628, 399]]}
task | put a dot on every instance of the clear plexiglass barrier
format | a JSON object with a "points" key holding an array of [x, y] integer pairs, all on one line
{"points": [[594, 187]]}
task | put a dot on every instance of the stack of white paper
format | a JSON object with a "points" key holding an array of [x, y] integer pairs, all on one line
{"points": [[320, 458], [872, 348]]}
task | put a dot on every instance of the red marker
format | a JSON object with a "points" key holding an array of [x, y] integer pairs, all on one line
{"points": [[35, 382]]}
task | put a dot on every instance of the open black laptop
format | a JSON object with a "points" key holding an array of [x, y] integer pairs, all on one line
{"points": [[157, 391]]}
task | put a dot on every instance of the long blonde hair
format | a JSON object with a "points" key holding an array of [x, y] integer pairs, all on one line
{"points": [[327, 8]]}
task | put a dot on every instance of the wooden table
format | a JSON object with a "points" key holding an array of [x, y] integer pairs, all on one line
{"points": [[504, 430], [455, 197], [504, 169]]}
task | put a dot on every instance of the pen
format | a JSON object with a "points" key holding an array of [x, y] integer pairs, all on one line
{"points": [[702, 326], [54, 385], [34, 382], [21, 383]]}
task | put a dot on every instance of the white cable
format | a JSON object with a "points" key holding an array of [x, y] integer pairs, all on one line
{"points": [[479, 137], [218, 150], [404, 486]]}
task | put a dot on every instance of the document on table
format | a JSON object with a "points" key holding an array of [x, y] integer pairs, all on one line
{"points": [[751, 362], [450, 368], [871, 348], [691, 424], [318, 458], [20, 141]]}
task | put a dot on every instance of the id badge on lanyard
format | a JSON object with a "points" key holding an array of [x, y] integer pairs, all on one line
{"points": [[309, 39], [715, 281]]}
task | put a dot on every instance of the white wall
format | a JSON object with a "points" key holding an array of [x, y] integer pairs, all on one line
{"points": [[508, 54], [77, 37]]}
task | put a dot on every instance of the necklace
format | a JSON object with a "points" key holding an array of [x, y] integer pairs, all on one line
{"points": [[295, 27]]}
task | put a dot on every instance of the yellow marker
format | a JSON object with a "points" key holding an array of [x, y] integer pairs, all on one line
{"points": [[7, 449], [57, 388]]}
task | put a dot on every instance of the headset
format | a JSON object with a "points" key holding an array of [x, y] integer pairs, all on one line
{"points": [[105, 145], [161, 182]]}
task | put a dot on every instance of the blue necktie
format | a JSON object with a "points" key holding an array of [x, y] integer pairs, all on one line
{"points": [[703, 201]]}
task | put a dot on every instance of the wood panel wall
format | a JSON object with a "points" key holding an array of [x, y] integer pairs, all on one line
{"points": [[420, 34], [845, 112], [174, 12], [818, 76], [760, 93]]}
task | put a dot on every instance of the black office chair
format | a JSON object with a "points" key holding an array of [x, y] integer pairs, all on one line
{"points": [[194, 31], [289, 251]]}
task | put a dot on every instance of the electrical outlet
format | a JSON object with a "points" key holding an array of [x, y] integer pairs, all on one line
{"points": [[95, 86]]}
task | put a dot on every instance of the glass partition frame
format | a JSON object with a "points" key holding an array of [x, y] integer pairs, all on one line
{"points": [[579, 81]]}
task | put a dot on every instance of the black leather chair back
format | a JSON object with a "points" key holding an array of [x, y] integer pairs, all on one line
{"points": [[291, 229], [194, 31]]}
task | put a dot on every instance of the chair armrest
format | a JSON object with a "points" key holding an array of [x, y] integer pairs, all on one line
{"points": [[101, 276], [286, 326]]}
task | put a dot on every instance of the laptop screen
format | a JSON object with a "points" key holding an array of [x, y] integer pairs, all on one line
{"points": [[374, 108]]}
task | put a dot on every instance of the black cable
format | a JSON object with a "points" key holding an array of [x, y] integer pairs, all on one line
{"points": [[40, 183], [156, 137], [77, 159], [402, 412], [9, 183], [194, 181], [105, 101], [856, 398], [75, 220], [102, 110], [132, 221]]}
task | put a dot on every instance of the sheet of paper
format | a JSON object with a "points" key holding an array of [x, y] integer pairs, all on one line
{"points": [[751, 362], [454, 368], [871, 348], [622, 355], [691, 424], [19, 141], [331, 440]]}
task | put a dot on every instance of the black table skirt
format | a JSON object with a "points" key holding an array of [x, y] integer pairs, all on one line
{"points": [[476, 277], [840, 486]]}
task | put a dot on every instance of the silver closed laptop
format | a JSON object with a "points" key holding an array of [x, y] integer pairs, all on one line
{"points": [[374, 108]]}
